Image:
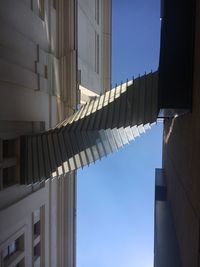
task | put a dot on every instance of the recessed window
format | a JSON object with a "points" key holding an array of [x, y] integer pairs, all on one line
{"points": [[9, 176], [36, 251], [13, 247], [9, 147], [97, 11], [45, 71], [38, 236], [8, 163], [96, 52], [36, 229], [21, 263], [54, 4], [41, 9], [10, 250]]}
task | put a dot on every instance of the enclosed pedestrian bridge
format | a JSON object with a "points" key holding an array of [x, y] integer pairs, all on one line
{"points": [[99, 128]]}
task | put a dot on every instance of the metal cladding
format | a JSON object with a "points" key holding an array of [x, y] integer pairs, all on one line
{"points": [[99, 128]]}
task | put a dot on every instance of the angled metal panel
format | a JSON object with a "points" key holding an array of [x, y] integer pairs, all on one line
{"points": [[48, 170], [88, 151], [135, 131], [117, 138], [116, 111], [129, 133], [51, 152], [141, 128], [141, 100], [129, 103], [154, 96], [135, 102], [35, 160], [93, 114], [105, 142], [105, 111], [29, 178], [123, 135], [64, 151], [111, 109], [58, 156], [111, 140], [67, 141], [41, 157]]}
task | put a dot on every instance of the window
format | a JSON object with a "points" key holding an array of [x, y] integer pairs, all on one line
{"points": [[21, 263], [38, 236], [9, 148], [36, 229], [41, 9], [32, 5], [54, 4], [45, 71], [13, 252], [8, 163], [96, 52], [9, 176], [97, 11], [36, 252], [10, 250]]}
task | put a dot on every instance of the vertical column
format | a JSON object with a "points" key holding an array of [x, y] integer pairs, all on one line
{"points": [[106, 37], [67, 52]]}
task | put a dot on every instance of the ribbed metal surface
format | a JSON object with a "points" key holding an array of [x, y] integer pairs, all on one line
{"points": [[99, 128]]}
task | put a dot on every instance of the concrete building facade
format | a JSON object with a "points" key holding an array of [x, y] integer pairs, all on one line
{"points": [[40, 52], [177, 213]]}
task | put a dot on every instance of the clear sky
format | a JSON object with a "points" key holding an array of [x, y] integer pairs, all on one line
{"points": [[115, 196]]}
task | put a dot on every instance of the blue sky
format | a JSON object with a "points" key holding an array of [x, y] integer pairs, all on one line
{"points": [[115, 196]]}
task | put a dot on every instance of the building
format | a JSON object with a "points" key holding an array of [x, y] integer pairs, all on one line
{"points": [[177, 192], [54, 57], [44, 59]]}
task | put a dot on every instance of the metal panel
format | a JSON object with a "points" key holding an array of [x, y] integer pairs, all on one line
{"points": [[86, 142], [135, 131], [117, 137], [68, 146], [135, 102], [58, 157], [148, 99], [141, 100], [51, 153], [129, 133], [35, 159], [29, 178], [48, 170], [111, 140], [105, 142], [123, 135], [129, 103], [41, 158], [111, 109]]}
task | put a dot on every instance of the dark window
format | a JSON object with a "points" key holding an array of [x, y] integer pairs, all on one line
{"points": [[45, 72], [16, 245], [9, 148], [36, 251], [41, 9], [97, 11], [96, 52], [54, 4], [21, 263], [9, 176], [37, 229]]}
